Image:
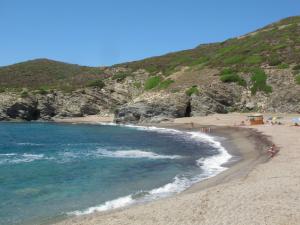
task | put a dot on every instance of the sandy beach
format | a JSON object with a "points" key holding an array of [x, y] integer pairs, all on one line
{"points": [[256, 190], [86, 119]]}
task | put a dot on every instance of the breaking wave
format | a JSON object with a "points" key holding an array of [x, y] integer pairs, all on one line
{"points": [[211, 166], [14, 158], [135, 154]]}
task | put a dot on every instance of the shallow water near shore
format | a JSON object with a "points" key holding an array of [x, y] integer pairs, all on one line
{"points": [[50, 170]]}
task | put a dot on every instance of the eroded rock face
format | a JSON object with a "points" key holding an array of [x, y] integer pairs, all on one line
{"points": [[23, 110], [58, 104], [153, 108], [202, 105], [132, 104]]}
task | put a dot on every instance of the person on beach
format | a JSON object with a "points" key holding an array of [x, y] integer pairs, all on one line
{"points": [[272, 150], [206, 130]]}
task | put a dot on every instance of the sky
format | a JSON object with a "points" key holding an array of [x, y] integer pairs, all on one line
{"points": [[106, 32]]}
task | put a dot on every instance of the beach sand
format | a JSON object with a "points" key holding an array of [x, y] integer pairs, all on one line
{"points": [[257, 190], [86, 119]]}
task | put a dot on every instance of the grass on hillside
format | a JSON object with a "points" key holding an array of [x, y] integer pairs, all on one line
{"points": [[48, 74], [152, 82], [120, 76], [96, 83], [275, 45], [165, 84], [192, 90], [157, 82], [259, 80], [228, 75]]}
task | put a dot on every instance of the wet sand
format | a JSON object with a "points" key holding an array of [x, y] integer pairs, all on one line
{"points": [[256, 190]]}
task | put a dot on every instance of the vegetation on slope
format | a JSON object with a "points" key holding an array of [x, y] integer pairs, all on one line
{"points": [[151, 82], [259, 79], [46, 74], [276, 46], [192, 90], [229, 76]]}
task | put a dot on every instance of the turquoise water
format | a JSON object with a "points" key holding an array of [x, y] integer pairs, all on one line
{"points": [[50, 171]]}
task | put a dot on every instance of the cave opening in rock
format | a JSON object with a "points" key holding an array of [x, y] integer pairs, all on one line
{"points": [[35, 115], [188, 110]]}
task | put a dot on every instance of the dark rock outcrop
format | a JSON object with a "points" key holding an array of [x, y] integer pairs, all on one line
{"points": [[154, 109], [79, 103], [203, 104]]}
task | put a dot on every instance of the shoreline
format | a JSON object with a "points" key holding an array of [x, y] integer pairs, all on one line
{"points": [[239, 143]]}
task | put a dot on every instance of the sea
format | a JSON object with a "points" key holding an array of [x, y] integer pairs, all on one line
{"points": [[52, 171]]}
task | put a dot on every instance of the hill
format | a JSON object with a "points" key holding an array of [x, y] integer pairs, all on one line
{"points": [[277, 44], [45, 73]]}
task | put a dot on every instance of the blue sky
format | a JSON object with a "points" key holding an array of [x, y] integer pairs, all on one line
{"points": [[105, 32]]}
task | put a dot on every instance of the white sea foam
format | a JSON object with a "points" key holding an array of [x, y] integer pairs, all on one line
{"points": [[8, 154], [144, 128], [29, 144], [178, 185], [69, 156], [135, 154], [211, 166], [14, 158], [109, 205], [214, 164]]}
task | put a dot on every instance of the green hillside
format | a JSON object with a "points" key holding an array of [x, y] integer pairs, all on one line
{"points": [[276, 46], [44, 73]]}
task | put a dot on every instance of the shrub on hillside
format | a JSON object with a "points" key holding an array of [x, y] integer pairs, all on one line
{"points": [[274, 62], [24, 94], [192, 90], [254, 59], [42, 91], [236, 59], [283, 66], [152, 82], [165, 84], [259, 79], [229, 75], [96, 83], [120, 76], [227, 71]]}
